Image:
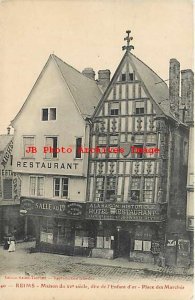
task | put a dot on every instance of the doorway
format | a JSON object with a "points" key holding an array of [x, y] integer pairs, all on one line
{"points": [[124, 243]]}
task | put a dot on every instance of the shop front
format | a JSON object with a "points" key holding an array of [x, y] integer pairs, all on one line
{"points": [[134, 232], [60, 226]]}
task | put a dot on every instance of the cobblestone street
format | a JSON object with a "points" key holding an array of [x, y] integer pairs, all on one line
{"points": [[50, 276], [44, 264]]}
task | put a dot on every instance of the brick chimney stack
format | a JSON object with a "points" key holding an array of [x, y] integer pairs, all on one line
{"points": [[104, 78], [187, 95], [174, 85], [89, 72]]}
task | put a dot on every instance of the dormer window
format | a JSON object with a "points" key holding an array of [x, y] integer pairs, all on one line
{"points": [[123, 78], [48, 114], [131, 77]]}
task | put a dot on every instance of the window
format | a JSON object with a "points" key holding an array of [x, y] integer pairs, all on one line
{"points": [[102, 153], [139, 107], [61, 187], [102, 140], [114, 109], [148, 188], [123, 77], [78, 147], [138, 151], [140, 245], [46, 231], [151, 138], [131, 77], [135, 189], [11, 160], [139, 138], [52, 144], [104, 239], [111, 188], [191, 179], [99, 189], [113, 139], [48, 114], [36, 186], [7, 189], [28, 141], [185, 152]]}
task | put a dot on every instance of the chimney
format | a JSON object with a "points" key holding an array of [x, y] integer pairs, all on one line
{"points": [[187, 95], [89, 72], [104, 78], [174, 85]]}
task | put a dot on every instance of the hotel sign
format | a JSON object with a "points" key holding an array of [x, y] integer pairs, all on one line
{"points": [[126, 212], [52, 208]]}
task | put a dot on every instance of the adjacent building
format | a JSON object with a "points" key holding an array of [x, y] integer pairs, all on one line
{"points": [[52, 125], [10, 221]]}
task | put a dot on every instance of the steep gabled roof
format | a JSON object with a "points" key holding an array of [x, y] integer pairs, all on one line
{"points": [[155, 86], [85, 91]]}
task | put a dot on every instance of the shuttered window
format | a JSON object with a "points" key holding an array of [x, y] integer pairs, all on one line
{"points": [[7, 188]]}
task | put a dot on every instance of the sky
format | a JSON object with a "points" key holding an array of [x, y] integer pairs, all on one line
{"points": [[86, 33]]}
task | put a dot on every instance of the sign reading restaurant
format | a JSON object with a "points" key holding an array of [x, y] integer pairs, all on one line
{"points": [[52, 208], [126, 212]]}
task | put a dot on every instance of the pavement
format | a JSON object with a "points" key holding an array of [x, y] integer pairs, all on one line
{"points": [[24, 262]]}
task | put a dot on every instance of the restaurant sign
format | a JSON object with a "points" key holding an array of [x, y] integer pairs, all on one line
{"points": [[126, 212], [52, 208]]}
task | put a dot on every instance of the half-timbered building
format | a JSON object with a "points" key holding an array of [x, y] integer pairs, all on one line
{"points": [[141, 145]]}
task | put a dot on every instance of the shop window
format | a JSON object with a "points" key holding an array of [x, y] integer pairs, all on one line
{"points": [[52, 143], [61, 187], [48, 114], [143, 238], [140, 245], [46, 232], [83, 240], [78, 147], [36, 186], [139, 107], [28, 141], [114, 109], [104, 241], [46, 237], [110, 188], [99, 189]]}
